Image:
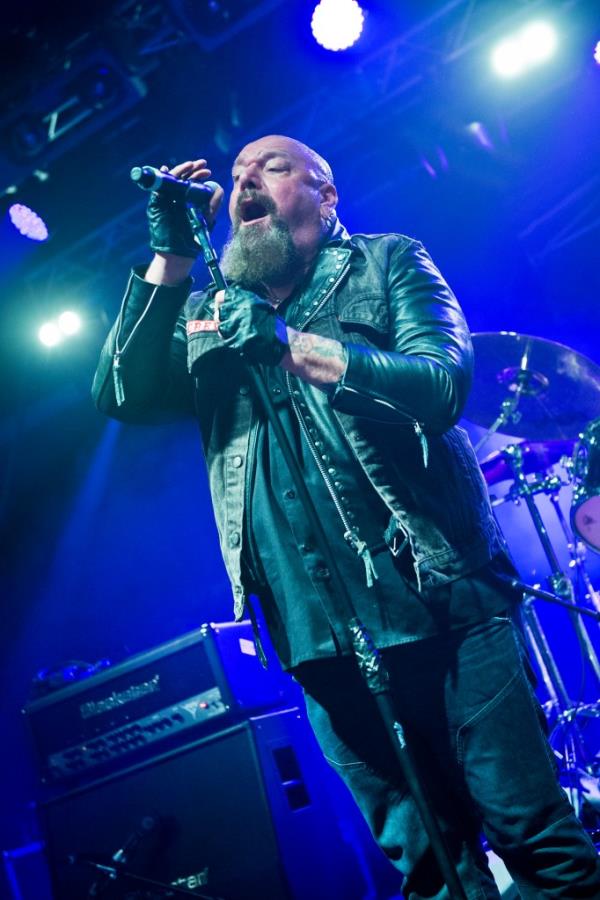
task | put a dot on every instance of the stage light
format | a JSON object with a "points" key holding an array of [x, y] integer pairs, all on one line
{"points": [[532, 45], [27, 222], [49, 334], [337, 24], [507, 58], [597, 53], [539, 40], [65, 325], [69, 322]]}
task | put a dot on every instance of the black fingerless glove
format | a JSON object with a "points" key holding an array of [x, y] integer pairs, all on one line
{"points": [[251, 325], [170, 230]]}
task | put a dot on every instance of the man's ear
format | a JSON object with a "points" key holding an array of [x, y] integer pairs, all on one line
{"points": [[329, 199]]}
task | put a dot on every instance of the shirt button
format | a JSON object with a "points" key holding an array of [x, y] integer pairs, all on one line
{"points": [[290, 495], [244, 390], [234, 539], [332, 471], [338, 485], [237, 461], [331, 278], [276, 390]]}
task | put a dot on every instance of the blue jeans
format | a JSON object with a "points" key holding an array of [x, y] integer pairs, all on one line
{"points": [[473, 723]]}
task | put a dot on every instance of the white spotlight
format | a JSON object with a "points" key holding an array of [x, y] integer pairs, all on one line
{"points": [[337, 24], [507, 58], [69, 322], [49, 334], [531, 45], [539, 42]]}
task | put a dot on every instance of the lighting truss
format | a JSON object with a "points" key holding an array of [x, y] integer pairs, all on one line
{"points": [[72, 106], [387, 81]]}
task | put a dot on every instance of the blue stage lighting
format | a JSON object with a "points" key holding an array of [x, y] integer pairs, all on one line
{"points": [[337, 24], [597, 53]]}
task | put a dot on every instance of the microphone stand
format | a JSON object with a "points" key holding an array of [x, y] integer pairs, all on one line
{"points": [[367, 655]]}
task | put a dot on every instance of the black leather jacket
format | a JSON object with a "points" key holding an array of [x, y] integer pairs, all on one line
{"points": [[408, 375]]}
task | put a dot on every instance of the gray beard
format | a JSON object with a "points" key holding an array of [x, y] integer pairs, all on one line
{"points": [[255, 258]]}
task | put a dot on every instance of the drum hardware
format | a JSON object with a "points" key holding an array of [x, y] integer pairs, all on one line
{"points": [[560, 582], [575, 758], [589, 710], [577, 552], [519, 383], [549, 395], [539, 389], [549, 486], [585, 509]]}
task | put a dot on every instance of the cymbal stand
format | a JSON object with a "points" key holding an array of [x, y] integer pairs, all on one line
{"points": [[575, 753], [559, 580], [508, 413], [519, 382]]}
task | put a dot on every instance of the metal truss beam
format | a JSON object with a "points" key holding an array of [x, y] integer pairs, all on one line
{"points": [[387, 82]]}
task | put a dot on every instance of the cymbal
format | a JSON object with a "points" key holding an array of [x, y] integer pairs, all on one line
{"points": [[536, 457], [557, 391]]}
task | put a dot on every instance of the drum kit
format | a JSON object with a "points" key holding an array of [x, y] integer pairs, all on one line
{"points": [[548, 396]]}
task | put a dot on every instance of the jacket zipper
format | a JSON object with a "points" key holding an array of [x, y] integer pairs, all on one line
{"points": [[350, 535], [250, 469], [359, 546], [415, 424], [118, 354]]}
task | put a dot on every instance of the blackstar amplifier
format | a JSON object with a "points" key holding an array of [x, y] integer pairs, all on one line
{"points": [[210, 675], [250, 812]]}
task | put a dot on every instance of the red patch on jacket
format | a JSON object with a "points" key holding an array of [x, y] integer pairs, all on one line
{"points": [[195, 325]]}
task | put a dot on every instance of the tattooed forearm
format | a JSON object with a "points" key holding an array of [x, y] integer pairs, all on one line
{"points": [[318, 360]]}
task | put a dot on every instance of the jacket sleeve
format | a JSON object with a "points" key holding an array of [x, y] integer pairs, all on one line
{"points": [[426, 375], [142, 373]]}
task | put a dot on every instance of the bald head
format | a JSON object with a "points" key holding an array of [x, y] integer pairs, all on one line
{"points": [[315, 163], [282, 206]]}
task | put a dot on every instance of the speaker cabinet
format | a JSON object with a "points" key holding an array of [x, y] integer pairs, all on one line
{"points": [[241, 814]]}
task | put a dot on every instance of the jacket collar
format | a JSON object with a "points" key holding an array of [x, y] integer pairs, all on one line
{"points": [[329, 269]]}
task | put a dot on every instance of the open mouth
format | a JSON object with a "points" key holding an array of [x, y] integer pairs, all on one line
{"points": [[252, 211]]}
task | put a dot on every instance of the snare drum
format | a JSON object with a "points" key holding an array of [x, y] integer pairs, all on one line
{"points": [[585, 509]]}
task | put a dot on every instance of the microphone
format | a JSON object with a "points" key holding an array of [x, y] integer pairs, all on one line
{"points": [[150, 179], [148, 824]]}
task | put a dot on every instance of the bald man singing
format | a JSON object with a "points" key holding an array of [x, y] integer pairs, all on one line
{"points": [[367, 357]]}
